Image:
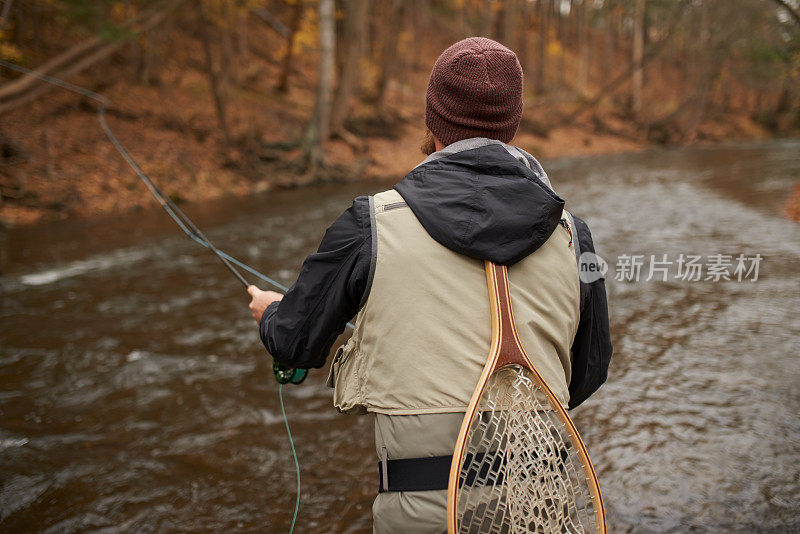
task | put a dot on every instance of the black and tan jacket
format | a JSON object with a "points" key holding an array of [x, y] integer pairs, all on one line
{"points": [[408, 263]]}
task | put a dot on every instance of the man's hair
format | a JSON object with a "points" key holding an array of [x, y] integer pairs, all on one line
{"points": [[428, 145]]}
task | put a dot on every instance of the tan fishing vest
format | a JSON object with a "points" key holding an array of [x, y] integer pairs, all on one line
{"points": [[423, 335]]}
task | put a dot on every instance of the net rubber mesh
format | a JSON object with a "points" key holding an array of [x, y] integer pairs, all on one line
{"points": [[521, 471]]}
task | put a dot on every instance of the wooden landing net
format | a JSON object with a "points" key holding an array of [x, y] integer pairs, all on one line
{"points": [[519, 463]]}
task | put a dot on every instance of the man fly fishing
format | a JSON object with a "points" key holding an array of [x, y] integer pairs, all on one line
{"points": [[408, 264]]}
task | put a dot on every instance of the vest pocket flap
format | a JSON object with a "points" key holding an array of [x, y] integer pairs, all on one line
{"points": [[338, 359]]}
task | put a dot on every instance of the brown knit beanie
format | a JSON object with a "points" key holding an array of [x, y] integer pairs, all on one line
{"points": [[475, 90]]}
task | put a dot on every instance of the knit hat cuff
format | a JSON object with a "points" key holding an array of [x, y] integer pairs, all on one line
{"points": [[449, 132]]}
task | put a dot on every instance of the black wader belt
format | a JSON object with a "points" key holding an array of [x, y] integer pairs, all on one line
{"points": [[430, 473]]}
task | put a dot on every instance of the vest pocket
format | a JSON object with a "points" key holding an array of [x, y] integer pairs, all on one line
{"points": [[344, 379], [335, 365]]}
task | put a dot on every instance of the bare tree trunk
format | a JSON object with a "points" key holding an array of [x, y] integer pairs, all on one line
{"points": [[5, 15], [542, 15], [140, 52], [229, 63], [522, 36], [242, 44], [608, 46], [560, 35], [583, 50], [498, 18], [214, 82], [510, 16], [504, 22], [462, 22], [421, 25], [705, 72], [486, 18], [19, 23], [294, 25], [638, 54], [145, 59], [355, 18], [319, 125], [725, 88], [388, 51], [50, 166], [784, 103]]}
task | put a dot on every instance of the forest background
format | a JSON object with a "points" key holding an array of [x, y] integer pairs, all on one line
{"points": [[221, 97]]}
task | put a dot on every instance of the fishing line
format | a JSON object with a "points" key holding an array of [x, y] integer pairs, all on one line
{"points": [[183, 222], [294, 455]]}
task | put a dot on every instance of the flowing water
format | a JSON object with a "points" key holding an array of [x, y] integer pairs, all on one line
{"points": [[135, 394]]}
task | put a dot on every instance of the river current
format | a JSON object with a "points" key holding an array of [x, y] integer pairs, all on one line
{"points": [[136, 396]]}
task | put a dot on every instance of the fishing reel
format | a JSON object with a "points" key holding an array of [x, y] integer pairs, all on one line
{"points": [[285, 375]]}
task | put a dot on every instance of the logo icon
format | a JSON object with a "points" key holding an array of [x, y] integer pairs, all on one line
{"points": [[591, 267]]}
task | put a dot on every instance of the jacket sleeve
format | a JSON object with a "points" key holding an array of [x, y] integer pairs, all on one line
{"points": [[591, 348], [299, 330]]}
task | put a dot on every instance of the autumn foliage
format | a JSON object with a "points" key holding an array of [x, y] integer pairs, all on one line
{"points": [[219, 97]]}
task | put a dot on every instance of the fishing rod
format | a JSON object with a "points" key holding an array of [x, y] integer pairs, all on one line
{"points": [[188, 226], [283, 374]]}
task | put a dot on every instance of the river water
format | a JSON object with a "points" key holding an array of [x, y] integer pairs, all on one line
{"points": [[135, 394]]}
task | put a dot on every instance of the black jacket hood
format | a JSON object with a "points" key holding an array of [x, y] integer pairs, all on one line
{"points": [[483, 203]]}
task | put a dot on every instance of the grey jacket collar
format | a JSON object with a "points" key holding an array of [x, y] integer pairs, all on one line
{"points": [[477, 142]]}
